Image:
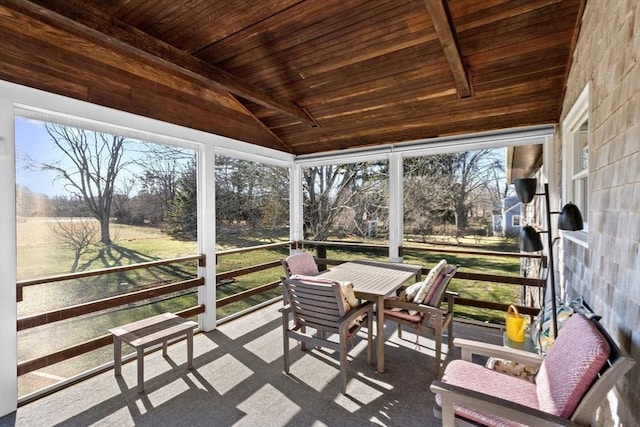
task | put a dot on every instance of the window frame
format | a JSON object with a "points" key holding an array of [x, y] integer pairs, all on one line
{"points": [[572, 178]]}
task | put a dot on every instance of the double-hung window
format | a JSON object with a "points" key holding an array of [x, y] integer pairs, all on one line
{"points": [[575, 140]]}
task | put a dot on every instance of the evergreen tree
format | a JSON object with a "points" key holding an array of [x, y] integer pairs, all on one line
{"points": [[182, 216]]}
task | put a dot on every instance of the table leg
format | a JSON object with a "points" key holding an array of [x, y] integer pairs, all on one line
{"points": [[380, 333], [140, 370], [164, 348], [117, 356], [190, 349]]}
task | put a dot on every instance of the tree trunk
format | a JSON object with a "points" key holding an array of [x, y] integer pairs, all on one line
{"points": [[76, 260], [105, 237], [461, 218]]}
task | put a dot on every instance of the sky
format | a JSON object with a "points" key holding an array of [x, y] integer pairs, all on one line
{"points": [[32, 140]]}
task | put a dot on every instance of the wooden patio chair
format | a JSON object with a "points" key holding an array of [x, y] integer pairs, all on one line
{"points": [[572, 381], [321, 304], [427, 314]]}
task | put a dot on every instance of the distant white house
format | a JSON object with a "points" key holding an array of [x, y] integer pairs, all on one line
{"points": [[508, 221]]}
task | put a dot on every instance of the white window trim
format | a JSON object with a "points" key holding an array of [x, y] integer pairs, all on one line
{"points": [[578, 113]]}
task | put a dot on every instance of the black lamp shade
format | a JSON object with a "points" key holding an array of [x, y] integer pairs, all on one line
{"points": [[525, 189], [570, 218], [530, 240]]}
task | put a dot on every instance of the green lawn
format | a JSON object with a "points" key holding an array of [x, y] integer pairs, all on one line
{"points": [[142, 244]]}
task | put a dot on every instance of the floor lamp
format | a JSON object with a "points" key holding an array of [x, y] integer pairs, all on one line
{"points": [[530, 241]]}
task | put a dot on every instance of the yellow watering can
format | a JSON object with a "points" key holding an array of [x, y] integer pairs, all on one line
{"points": [[515, 324]]}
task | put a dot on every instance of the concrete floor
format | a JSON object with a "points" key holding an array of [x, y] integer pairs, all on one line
{"points": [[238, 381]]}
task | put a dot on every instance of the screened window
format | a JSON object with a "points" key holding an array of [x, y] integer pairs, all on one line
{"points": [[88, 200], [347, 202]]}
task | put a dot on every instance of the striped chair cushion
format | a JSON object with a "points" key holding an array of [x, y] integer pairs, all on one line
{"points": [[436, 292], [478, 378], [567, 372], [570, 366]]}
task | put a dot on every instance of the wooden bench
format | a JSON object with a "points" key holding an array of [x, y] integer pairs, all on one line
{"points": [[148, 332]]}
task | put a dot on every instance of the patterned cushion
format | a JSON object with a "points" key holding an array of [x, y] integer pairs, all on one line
{"points": [[578, 305], [570, 366], [349, 295], [434, 296], [350, 301], [431, 278], [512, 368], [478, 378], [409, 293], [302, 263], [541, 334]]}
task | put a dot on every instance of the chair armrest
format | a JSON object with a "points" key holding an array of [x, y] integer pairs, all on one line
{"points": [[455, 395], [469, 348], [357, 311], [285, 309]]}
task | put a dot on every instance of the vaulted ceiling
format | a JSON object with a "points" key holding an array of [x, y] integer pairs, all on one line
{"points": [[302, 76]]}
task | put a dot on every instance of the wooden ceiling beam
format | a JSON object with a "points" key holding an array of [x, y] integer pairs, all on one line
{"points": [[446, 32], [90, 23]]}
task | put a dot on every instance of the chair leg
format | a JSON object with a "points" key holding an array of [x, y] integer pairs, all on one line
{"points": [[303, 344], [369, 337], [323, 336], [450, 303], [399, 331], [438, 355], [343, 364], [437, 320], [285, 344]]}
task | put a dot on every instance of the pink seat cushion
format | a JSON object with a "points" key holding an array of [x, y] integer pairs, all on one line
{"points": [[570, 366], [478, 378], [415, 319], [302, 263]]}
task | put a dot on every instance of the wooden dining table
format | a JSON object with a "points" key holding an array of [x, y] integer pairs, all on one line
{"points": [[373, 281]]}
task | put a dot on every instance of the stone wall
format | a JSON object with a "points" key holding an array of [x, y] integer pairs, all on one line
{"points": [[607, 272]]}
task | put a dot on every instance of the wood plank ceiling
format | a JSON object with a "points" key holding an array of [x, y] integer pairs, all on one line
{"points": [[301, 76]]}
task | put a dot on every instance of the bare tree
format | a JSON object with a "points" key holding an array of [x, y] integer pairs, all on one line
{"points": [[94, 160], [446, 186], [163, 167], [77, 234], [473, 173], [342, 194]]}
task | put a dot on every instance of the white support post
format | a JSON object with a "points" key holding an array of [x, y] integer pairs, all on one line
{"points": [[396, 211], [8, 258], [207, 234], [296, 208]]}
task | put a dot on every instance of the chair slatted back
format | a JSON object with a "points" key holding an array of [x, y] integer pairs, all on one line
{"points": [[317, 305]]}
